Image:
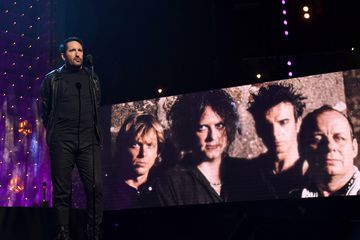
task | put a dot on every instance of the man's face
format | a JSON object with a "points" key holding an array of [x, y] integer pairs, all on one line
{"points": [[74, 54], [143, 152], [280, 135], [332, 146], [211, 137]]}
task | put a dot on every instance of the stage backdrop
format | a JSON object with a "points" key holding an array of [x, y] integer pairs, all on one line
{"points": [[338, 89]]}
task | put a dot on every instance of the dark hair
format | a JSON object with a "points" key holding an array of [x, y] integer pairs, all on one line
{"points": [[63, 45], [271, 95], [185, 114], [308, 126]]}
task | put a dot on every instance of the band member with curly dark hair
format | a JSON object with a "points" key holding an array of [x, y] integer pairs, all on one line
{"points": [[203, 125]]}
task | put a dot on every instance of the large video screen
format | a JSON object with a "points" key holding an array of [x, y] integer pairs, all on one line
{"points": [[293, 138]]}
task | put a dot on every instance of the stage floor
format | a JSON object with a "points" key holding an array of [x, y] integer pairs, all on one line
{"points": [[336, 218]]}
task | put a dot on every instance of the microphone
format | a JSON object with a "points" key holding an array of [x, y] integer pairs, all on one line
{"points": [[44, 191], [89, 60], [78, 86], [44, 202]]}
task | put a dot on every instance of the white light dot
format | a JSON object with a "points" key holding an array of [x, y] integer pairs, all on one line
{"points": [[305, 8], [283, 2], [258, 76], [352, 49], [285, 22], [290, 74], [286, 33], [284, 12], [289, 63], [159, 90], [306, 15]]}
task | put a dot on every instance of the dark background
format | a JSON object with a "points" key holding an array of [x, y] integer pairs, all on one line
{"points": [[186, 45]]}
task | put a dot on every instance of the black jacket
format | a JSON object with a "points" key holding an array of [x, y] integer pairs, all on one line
{"points": [[51, 93]]}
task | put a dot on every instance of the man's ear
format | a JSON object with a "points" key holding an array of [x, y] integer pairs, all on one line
{"points": [[298, 124], [63, 56], [355, 147]]}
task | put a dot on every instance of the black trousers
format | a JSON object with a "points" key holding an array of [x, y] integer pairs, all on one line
{"points": [[65, 152]]}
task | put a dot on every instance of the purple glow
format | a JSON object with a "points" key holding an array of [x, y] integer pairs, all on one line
{"points": [[285, 22], [24, 160], [284, 12], [290, 74], [286, 33], [289, 63], [283, 2]]}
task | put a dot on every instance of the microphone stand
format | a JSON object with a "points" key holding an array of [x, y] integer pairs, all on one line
{"points": [[92, 149]]}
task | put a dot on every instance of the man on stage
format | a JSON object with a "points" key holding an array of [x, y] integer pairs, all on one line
{"points": [[70, 100]]}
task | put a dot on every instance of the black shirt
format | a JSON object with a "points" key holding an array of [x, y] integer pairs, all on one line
{"points": [[258, 181], [75, 113], [125, 196], [185, 184]]}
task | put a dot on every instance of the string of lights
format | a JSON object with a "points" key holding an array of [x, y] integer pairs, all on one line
{"points": [[286, 33], [24, 57]]}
